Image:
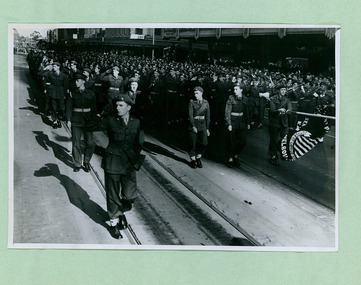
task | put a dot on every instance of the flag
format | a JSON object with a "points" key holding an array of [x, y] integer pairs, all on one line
{"points": [[307, 134]]}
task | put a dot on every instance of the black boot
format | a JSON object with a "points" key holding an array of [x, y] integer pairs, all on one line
{"points": [[115, 232], [87, 166], [123, 223], [193, 164]]}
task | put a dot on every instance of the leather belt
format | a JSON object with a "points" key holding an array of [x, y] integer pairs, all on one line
{"points": [[171, 91], [154, 93], [237, 114], [98, 84], [199, 117], [113, 88], [47, 83], [81, 110]]}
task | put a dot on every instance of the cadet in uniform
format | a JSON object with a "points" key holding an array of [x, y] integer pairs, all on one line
{"points": [[57, 88], [122, 157], [199, 118], [115, 83], [80, 111], [280, 107], [236, 113]]}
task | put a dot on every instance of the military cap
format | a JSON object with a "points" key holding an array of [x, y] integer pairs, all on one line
{"points": [[87, 70], [115, 68], [281, 85], [133, 79], [57, 63], [198, 88], [79, 76], [122, 98], [323, 83], [74, 62]]}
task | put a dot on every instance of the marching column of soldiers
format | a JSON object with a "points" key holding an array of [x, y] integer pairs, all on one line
{"points": [[123, 94]]}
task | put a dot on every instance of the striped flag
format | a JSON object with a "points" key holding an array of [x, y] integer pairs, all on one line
{"points": [[308, 133]]}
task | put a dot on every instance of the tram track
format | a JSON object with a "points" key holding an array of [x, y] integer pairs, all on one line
{"points": [[210, 205]]}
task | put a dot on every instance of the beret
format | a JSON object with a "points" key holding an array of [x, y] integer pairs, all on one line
{"points": [[133, 79], [79, 76], [123, 98], [198, 88], [87, 70]]}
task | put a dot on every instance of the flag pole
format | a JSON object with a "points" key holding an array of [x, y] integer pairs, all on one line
{"points": [[314, 115]]}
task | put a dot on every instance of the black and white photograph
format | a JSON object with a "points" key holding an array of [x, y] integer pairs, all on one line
{"points": [[173, 136]]}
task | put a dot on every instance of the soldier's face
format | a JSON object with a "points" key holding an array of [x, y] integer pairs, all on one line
{"points": [[283, 91], [79, 82], [198, 94], [122, 108], [133, 86], [237, 90]]}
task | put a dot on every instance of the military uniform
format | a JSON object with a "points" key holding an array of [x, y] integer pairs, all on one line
{"points": [[120, 161], [236, 112], [115, 85], [99, 92], [278, 124], [57, 88], [199, 118], [156, 95], [81, 111]]}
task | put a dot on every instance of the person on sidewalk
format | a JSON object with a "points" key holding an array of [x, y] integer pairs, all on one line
{"points": [[122, 158], [235, 113], [280, 108], [80, 112], [199, 115]]}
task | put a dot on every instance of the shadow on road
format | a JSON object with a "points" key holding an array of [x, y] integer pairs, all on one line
{"points": [[156, 149], [77, 195], [60, 152]]}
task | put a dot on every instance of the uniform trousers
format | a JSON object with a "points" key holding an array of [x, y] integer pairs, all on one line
{"points": [[237, 141], [77, 133], [276, 135], [57, 109], [261, 111], [46, 102], [121, 191], [198, 142]]}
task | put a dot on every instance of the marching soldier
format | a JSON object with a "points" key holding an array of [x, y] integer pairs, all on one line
{"points": [[99, 89], [199, 119], [57, 88], [80, 112], [89, 82], [115, 83], [280, 107], [122, 158], [156, 89], [236, 113]]}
